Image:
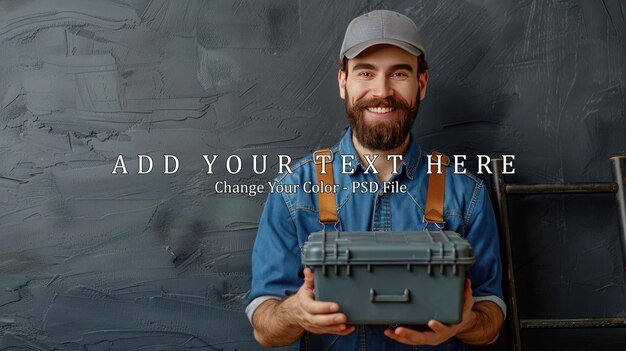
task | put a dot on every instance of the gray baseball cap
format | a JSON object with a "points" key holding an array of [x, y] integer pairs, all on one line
{"points": [[381, 27]]}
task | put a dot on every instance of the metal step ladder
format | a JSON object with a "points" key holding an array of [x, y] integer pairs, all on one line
{"points": [[501, 191]]}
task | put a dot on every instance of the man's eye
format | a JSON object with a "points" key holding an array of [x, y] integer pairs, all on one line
{"points": [[399, 74], [365, 74]]}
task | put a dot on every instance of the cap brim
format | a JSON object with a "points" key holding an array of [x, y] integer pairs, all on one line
{"points": [[359, 48]]}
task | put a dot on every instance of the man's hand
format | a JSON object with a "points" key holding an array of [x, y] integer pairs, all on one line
{"points": [[316, 316], [280, 323], [478, 325]]}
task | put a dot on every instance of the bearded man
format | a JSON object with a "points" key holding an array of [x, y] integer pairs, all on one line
{"points": [[382, 79]]}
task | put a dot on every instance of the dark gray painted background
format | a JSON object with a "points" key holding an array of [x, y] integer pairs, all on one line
{"points": [[93, 261]]}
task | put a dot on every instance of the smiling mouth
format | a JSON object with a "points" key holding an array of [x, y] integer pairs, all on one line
{"points": [[380, 109]]}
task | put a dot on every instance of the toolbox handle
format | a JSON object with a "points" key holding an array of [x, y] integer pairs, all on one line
{"points": [[405, 297]]}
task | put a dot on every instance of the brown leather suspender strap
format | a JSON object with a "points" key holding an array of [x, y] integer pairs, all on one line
{"points": [[327, 202], [436, 190]]}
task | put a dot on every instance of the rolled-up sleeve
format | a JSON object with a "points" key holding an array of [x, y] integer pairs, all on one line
{"points": [[276, 262], [482, 233]]}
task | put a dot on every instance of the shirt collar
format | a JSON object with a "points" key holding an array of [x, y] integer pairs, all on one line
{"points": [[410, 159]]}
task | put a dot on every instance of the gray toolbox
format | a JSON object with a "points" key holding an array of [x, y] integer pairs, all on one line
{"points": [[390, 277]]}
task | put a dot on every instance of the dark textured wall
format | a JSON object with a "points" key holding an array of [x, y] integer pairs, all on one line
{"points": [[95, 261]]}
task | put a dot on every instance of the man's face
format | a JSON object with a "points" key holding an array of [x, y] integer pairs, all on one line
{"points": [[382, 91]]}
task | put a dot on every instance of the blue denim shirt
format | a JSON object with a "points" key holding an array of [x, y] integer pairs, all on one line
{"points": [[289, 217]]}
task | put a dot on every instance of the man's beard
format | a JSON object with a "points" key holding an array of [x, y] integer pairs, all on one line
{"points": [[383, 135]]}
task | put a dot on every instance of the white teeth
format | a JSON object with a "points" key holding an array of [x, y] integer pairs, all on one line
{"points": [[380, 109]]}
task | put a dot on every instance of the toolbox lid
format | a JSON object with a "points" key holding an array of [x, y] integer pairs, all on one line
{"points": [[414, 247]]}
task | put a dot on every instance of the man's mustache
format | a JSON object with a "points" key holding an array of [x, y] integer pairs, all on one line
{"points": [[381, 102]]}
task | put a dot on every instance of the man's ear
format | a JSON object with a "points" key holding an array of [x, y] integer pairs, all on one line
{"points": [[341, 78], [422, 79]]}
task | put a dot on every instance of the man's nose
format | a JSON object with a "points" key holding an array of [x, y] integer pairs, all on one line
{"points": [[381, 87]]}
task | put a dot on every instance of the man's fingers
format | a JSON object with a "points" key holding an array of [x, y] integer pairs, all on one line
{"points": [[341, 329], [349, 329], [412, 337], [407, 333], [437, 326], [468, 299], [328, 320], [344, 329], [308, 279], [307, 291], [402, 335], [317, 307]]}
